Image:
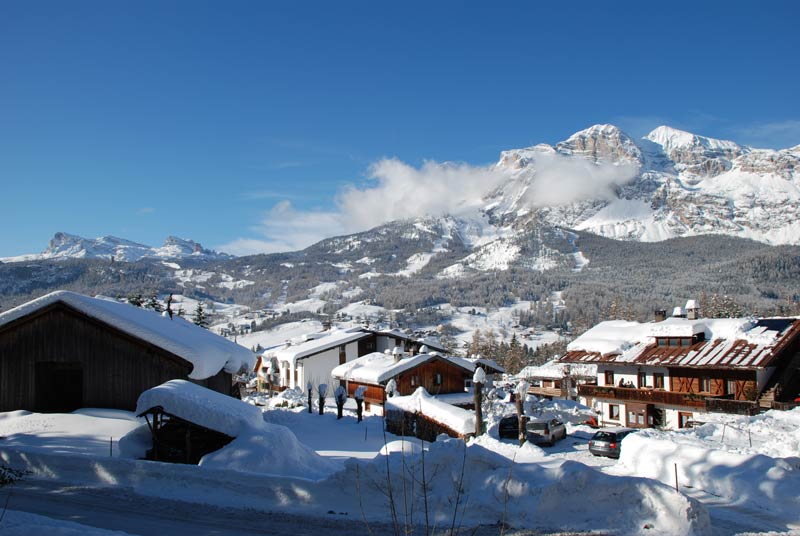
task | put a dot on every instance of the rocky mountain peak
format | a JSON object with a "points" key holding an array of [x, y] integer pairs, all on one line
{"points": [[605, 143], [694, 154]]}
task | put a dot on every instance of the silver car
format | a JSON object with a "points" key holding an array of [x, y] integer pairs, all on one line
{"points": [[545, 432], [608, 442]]}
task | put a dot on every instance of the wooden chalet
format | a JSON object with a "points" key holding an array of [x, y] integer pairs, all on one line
{"points": [[670, 372], [436, 373], [65, 351]]}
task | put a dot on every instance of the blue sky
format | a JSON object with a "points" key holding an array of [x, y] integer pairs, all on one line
{"points": [[218, 120]]}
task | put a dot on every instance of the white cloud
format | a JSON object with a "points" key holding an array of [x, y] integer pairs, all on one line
{"points": [[398, 191], [560, 180]]}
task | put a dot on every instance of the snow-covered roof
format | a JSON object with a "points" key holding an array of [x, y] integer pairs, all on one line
{"points": [[321, 342], [487, 364], [201, 406], [207, 352], [613, 336], [457, 419], [554, 369], [377, 367], [727, 342], [430, 342]]}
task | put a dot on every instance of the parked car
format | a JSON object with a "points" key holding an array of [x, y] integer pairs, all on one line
{"points": [[509, 427], [545, 432], [608, 442]]}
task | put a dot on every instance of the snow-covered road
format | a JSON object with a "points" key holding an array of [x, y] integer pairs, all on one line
{"points": [[120, 509], [117, 509]]}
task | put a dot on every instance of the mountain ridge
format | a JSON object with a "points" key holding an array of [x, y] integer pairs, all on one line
{"points": [[65, 245]]}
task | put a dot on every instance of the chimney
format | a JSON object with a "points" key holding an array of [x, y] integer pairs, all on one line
{"points": [[326, 325], [692, 310], [659, 315], [397, 353], [678, 312]]}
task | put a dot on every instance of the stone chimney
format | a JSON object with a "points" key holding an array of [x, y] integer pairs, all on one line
{"points": [[659, 315], [678, 312], [397, 353], [692, 310]]}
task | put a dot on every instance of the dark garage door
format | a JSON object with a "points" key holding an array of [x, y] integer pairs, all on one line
{"points": [[59, 387]]}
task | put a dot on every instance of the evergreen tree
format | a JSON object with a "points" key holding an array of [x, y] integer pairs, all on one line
{"points": [[136, 299], [199, 317], [154, 304]]}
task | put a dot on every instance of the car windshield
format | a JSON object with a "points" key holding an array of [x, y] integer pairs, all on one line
{"points": [[537, 425]]}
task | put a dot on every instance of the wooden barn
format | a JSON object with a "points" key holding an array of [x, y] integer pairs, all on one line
{"points": [[65, 351], [436, 373]]}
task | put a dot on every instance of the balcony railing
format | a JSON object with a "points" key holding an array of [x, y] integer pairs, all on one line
{"points": [[728, 405], [646, 395]]}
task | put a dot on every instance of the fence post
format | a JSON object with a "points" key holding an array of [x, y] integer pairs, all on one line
{"points": [[676, 477]]}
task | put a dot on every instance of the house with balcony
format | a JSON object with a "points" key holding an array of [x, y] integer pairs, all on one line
{"points": [[670, 372]]}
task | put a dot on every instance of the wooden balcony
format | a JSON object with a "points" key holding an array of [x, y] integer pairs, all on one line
{"points": [[728, 405], [547, 392], [644, 396]]}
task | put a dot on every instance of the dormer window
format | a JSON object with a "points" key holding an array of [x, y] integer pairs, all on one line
{"points": [[677, 342]]}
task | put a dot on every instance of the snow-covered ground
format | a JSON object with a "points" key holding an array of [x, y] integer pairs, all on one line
{"points": [[747, 482]]}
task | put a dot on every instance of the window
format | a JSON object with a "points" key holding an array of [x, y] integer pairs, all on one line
{"points": [[414, 380], [437, 379], [642, 379], [342, 355], [705, 384], [683, 419], [658, 380], [674, 342], [609, 377], [613, 412], [730, 388], [662, 341]]}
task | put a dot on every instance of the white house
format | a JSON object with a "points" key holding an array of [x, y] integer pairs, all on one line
{"points": [[313, 357]]}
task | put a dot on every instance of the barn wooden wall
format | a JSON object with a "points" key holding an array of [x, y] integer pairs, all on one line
{"points": [[452, 378], [116, 366]]}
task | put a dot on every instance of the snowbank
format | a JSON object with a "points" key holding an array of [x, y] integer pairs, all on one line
{"points": [[733, 471], [526, 496], [25, 524], [273, 450]]}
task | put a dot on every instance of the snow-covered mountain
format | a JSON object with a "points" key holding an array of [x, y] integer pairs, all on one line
{"points": [[67, 246], [668, 184]]}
